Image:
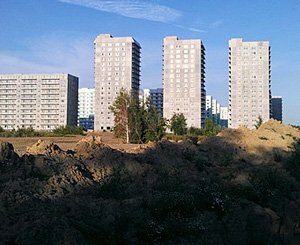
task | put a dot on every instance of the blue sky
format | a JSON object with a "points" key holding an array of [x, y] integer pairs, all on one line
{"points": [[39, 36]]}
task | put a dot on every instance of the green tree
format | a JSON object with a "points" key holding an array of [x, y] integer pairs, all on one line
{"points": [[178, 124], [193, 131], [155, 125], [120, 109], [210, 127], [136, 121], [259, 122]]}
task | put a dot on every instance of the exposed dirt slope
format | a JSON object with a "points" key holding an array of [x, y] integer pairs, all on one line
{"points": [[240, 187]]}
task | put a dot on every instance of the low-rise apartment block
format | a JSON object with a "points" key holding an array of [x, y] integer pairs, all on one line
{"points": [[40, 101]]}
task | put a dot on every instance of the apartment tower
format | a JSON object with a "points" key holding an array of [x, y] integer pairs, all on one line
{"points": [[184, 80], [117, 66], [156, 98], [86, 104], [249, 82], [277, 108], [40, 101]]}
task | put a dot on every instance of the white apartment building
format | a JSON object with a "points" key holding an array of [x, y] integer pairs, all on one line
{"points": [[86, 103], [184, 80], [86, 100], [117, 66], [213, 109], [249, 82], [40, 101], [224, 116]]}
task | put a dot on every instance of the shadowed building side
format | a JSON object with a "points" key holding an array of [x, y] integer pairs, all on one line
{"points": [[277, 108]]}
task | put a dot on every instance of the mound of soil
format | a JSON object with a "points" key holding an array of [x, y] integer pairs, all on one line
{"points": [[240, 187]]}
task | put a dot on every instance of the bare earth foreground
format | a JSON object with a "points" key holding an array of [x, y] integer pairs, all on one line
{"points": [[240, 187], [66, 143]]}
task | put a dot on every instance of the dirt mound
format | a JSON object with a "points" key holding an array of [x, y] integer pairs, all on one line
{"points": [[7, 153], [228, 189], [43, 147], [88, 143], [257, 146]]}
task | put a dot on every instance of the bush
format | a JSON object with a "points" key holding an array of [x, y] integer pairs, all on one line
{"points": [[193, 131], [20, 132], [30, 132], [68, 130], [271, 185]]}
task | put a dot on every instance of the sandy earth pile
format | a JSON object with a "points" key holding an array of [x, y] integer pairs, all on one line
{"points": [[240, 187]]}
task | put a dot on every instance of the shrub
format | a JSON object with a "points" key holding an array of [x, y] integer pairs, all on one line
{"points": [[67, 130], [193, 131], [271, 185], [20, 132]]}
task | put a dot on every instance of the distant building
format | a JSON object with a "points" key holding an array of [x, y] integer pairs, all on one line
{"points": [[249, 82], [155, 97], [144, 94], [208, 106], [117, 66], [277, 108], [86, 101], [184, 80], [212, 109], [40, 101], [224, 117]]}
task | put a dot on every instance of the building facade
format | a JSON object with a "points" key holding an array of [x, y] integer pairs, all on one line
{"points": [[184, 80], [86, 103], [155, 96], [213, 110], [249, 82], [117, 66], [277, 108], [40, 101], [224, 117]]}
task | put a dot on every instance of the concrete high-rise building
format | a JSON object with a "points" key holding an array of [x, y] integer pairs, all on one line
{"points": [[213, 109], [224, 117], [86, 103], [117, 66], [40, 101], [208, 106], [184, 80], [249, 82], [156, 98], [277, 108]]}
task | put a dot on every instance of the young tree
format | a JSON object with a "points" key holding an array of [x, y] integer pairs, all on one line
{"points": [[155, 125], [178, 124], [136, 121], [210, 127], [259, 122], [120, 109]]}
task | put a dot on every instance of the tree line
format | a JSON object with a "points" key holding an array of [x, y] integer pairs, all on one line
{"points": [[137, 122]]}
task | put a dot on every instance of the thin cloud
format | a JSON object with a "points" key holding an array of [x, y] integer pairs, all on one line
{"points": [[131, 8], [216, 24], [195, 30]]}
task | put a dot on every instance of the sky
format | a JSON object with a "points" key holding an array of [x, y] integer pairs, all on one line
{"points": [[51, 36]]}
